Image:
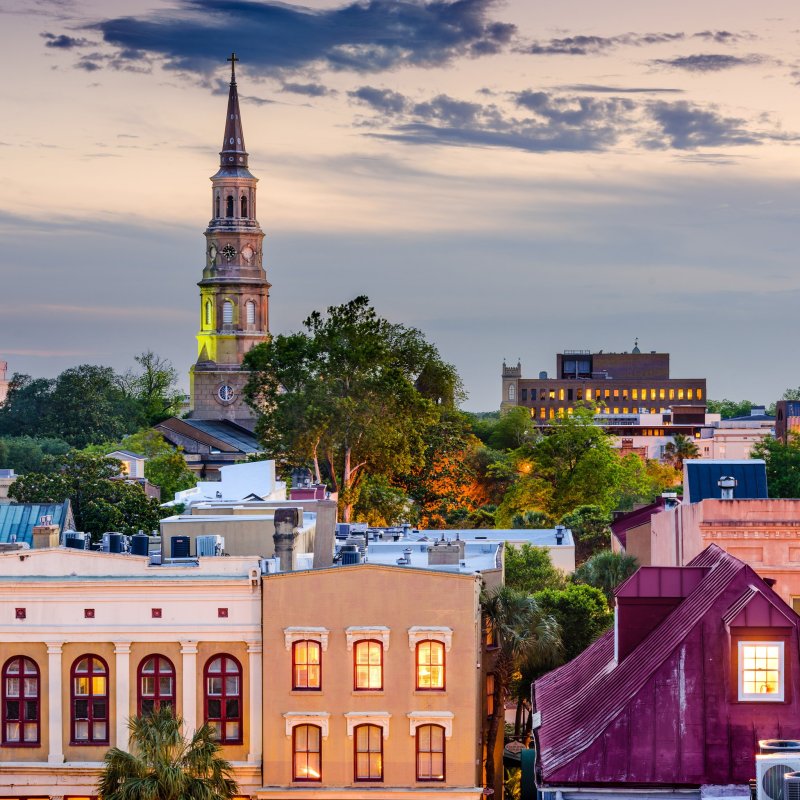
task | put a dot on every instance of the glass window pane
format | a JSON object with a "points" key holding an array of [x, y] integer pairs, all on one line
{"points": [[99, 709], [81, 686], [149, 665], [31, 710], [232, 730], [98, 686], [165, 687], [231, 708], [12, 709], [31, 732], [148, 686], [215, 665], [214, 709], [215, 686], [81, 709], [232, 685], [31, 687], [99, 731], [13, 668], [12, 687], [81, 730], [12, 731]]}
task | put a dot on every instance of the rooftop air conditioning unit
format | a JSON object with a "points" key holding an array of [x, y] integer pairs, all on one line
{"points": [[212, 545], [791, 786], [770, 772]]}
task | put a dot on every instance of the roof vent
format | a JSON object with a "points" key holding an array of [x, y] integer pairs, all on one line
{"points": [[727, 483], [560, 534]]}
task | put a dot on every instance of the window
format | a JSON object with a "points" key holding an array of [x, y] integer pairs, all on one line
{"points": [[512, 392], [652, 394], [580, 394], [671, 394], [306, 753], [223, 685], [306, 665], [209, 309], [606, 393], [430, 665], [680, 394], [624, 394], [523, 395], [244, 207], [227, 312], [761, 671], [635, 394], [699, 394], [368, 757], [588, 394], [368, 665], [490, 694], [542, 412], [251, 312], [156, 684], [229, 206], [430, 753], [616, 394], [490, 633], [569, 394], [796, 605], [216, 206], [560, 394], [690, 394], [20, 702], [89, 701]]}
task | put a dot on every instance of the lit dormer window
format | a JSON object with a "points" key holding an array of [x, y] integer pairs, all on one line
{"points": [[761, 672]]}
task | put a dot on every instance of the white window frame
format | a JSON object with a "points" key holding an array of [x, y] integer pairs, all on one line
{"points": [[379, 718], [442, 718], [435, 633], [300, 633], [358, 633], [776, 697], [318, 718]]}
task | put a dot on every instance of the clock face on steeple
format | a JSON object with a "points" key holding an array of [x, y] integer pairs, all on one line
{"points": [[229, 251]]}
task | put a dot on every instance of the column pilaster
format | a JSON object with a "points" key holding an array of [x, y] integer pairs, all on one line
{"points": [[255, 659], [189, 682], [122, 681], [55, 718]]}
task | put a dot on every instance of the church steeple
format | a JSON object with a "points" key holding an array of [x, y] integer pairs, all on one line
{"points": [[233, 152]]}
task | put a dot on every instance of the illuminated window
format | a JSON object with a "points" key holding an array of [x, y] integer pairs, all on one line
{"points": [[430, 665], [652, 411], [671, 394], [635, 394], [306, 665], [699, 394], [662, 394], [490, 694], [430, 753], [624, 394], [560, 394], [244, 207], [616, 410], [156, 684], [250, 308], [368, 753], [652, 394], [209, 312], [542, 413], [690, 394], [227, 312], [368, 665], [580, 394], [552, 394], [607, 393], [223, 698], [20, 702], [89, 701], [306, 753], [588, 394], [490, 634], [229, 206], [616, 394], [570, 410], [624, 410], [680, 394], [761, 671], [552, 413]]}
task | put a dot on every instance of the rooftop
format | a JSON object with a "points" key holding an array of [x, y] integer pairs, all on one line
{"points": [[17, 520], [478, 556], [538, 537], [701, 477]]}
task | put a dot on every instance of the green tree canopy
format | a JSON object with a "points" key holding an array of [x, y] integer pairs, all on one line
{"points": [[529, 569], [164, 765], [153, 386], [605, 571], [680, 449], [26, 454], [783, 465], [729, 408], [352, 395], [590, 530], [513, 429]]}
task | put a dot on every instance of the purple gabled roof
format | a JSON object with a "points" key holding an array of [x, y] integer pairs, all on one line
{"points": [[632, 519], [593, 708]]}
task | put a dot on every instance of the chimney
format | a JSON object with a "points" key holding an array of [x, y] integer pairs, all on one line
{"points": [[444, 553], [727, 483], [286, 522], [45, 536]]}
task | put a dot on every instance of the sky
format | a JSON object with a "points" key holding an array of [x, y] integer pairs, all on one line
{"points": [[513, 178]]}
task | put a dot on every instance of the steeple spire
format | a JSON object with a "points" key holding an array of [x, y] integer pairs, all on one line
{"points": [[233, 153]]}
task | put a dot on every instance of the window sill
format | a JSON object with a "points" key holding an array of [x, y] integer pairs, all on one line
{"points": [[307, 693], [89, 744], [368, 692], [430, 692], [21, 744]]}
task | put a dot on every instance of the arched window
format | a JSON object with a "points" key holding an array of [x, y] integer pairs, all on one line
{"points": [[209, 310], [223, 697], [430, 753], [251, 312], [20, 702], [368, 665], [306, 753], [512, 392], [368, 758], [216, 207], [229, 206], [244, 207], [227, 312], [89, 700], [156, 684], [306, 665], [430, 666]]}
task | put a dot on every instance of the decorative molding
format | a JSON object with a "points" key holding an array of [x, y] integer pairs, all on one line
{"points": [[122, 648], [294, 718], [54, 648], [422, 633], [255, 647], [379, 718], [443, 718], [188, 648], [356, 633], [300, 632]]}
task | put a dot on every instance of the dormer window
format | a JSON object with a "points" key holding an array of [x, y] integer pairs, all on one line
{"points": [[762, 676]]}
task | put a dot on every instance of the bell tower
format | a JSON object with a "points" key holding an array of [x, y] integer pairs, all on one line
{"points": [[234, 291]]}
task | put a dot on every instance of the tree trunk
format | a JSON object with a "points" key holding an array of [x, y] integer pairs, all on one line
{"points": [[497, 720], [347, 508], [518, 718]]}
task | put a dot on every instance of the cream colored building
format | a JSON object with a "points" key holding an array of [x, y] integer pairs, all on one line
{"points": [[88, 639], [373, 684]]}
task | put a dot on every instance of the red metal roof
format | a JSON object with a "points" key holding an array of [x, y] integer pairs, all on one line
{"points": [[667, 713]]}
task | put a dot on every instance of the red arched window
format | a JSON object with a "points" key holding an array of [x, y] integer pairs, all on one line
{"points": [[21, 702], [368, 665], [156, 684], [430, 753], [89, 700], [223, 698], [368, 757], [430, 666], [306, 753], [306, 665]]}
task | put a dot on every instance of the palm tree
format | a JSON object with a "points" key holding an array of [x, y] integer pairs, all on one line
{"points": [[679, 449], [164, 765], [523, 634], [605, 571]]}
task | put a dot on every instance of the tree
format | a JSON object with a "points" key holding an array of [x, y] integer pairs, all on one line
{"points": [[729, 408], [513, 429], [353, 395], [679, 450], [605, 571], [590, 526], [524, 634], [164, 765], [26, 454], [154, 388], [380, 504], [783, 465], [529, 569], [532, 520], [26, 406], [99, 503]]}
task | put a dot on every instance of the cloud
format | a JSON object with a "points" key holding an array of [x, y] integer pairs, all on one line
{"points": [[276, 38], [63, 42], [382, 100], [130, 60], [721, 37], [708, 62], [600, 89], [307, 89], [685, 126], [593, 45]]}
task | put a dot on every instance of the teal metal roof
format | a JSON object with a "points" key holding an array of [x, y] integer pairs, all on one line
{"points": [[17, 520]]}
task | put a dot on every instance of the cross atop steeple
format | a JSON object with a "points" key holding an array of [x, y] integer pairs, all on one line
{"points": [[233, 59]]}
